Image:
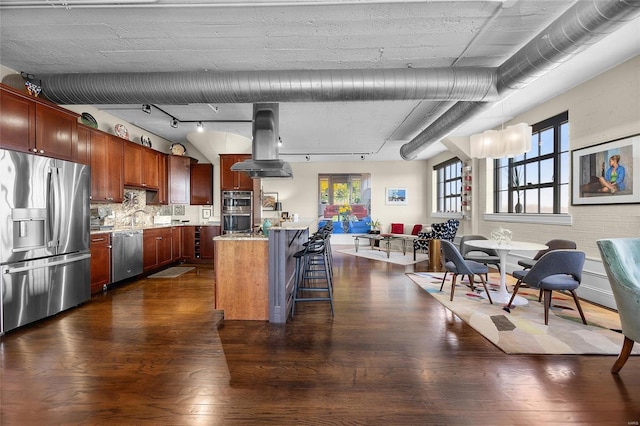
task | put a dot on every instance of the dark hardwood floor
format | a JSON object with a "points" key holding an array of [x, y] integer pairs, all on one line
{"points": [[151, 352]]}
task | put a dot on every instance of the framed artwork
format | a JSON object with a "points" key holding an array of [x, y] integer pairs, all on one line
{"points": [[269, 200], [206, 213], [607, 173], [396, 196]]}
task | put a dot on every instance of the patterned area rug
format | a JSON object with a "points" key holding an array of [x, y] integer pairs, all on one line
{"points": [[172, 272], [394, 257], [521, 329]]}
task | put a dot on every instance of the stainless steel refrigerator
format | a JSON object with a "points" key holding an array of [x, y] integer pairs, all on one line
{"points": [[44, 245]]}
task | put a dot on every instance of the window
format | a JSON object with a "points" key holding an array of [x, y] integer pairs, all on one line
{"points": [[449, 181], [536, 182], [345, 198]]}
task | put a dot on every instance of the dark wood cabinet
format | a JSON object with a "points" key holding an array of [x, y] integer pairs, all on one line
{"points": [[56, 132], [198, 244], [82, 151], [206, 241], [100, 247], [156, 248], [163, 194], [176, 243], [17, 121], [140, 166], [179, 181], [188, 243], [37, 126], [106, 167], [201, 184], [230, 180]]}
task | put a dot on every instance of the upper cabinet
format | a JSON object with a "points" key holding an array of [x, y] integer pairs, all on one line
{"points": [[179, 182], [202, 184], [230, 180], [37, 126], [107, 153], [141, 166]]}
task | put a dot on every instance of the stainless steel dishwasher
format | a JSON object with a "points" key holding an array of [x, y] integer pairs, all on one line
{"points": [[126, 254]]}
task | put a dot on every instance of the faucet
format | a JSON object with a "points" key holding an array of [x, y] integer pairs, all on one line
{"points": [[133, 216]]}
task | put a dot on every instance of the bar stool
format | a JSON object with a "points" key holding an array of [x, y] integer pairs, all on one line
{"points": [[313, 274]]}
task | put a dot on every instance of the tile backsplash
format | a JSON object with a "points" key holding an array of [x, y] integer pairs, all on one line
{"points": [[135, 204]]}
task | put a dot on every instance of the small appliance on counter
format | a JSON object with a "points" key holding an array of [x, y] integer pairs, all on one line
{"points": [[97, 215]]}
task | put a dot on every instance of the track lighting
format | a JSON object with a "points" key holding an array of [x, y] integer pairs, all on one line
{"points": [[200, 126], [279, 141], [307, 157], [174, 123], [146, 108], [362, 157]]}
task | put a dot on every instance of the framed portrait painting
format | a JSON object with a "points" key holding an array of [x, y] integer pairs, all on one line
{"points": [[396, 196], [607, 173]]}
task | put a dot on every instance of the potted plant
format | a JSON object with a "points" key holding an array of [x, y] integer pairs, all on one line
{"points": [[375, 225], [516, 183]]}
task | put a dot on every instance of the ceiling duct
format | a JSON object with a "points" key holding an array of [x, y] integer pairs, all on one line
{"points": [[445, 84], [264, 162], [582, 25]]}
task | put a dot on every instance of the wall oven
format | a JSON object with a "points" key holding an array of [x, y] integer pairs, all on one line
{"points": [[237, 211]]}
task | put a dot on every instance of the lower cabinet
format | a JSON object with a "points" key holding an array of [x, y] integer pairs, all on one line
{"points": [[156, 248], [176, 243], [100, 247], [198, 243]]}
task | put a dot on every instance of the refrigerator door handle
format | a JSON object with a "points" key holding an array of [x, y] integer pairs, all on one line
{"points": [[54, 206], [11, 270]]}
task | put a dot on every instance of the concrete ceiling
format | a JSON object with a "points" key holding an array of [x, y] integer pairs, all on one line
{"points": [[138, 36]]}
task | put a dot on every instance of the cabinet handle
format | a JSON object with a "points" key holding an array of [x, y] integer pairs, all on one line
{"points": [[158, 238], [109, 198], [95, 240], [42, 151], [34, 150]]}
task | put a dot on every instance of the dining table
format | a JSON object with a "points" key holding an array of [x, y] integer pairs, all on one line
{"points": [[503, 248]]}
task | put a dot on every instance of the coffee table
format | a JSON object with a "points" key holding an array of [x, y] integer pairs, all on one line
{"points": [[385, 238]]}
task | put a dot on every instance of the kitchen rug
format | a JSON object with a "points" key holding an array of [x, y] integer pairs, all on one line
{"points": [[172, 272], [521, 329]]}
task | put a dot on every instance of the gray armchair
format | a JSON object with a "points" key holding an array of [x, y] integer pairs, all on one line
{"points": [[556, 270], [621, 259]]}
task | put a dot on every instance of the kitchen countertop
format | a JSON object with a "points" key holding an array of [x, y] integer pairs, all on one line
{"points": [[142, 228]]}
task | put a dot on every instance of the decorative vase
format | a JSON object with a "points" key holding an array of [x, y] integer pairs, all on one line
{"points": [[518, 207], [345, 226]]}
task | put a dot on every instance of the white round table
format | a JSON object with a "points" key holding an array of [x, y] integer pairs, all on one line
{"points": [[503, 249]]}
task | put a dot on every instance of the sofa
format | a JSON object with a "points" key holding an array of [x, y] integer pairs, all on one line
{"points": [[357, 210]]}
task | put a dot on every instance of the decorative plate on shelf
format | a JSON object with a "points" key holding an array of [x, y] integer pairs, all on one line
{"points": [[178, 149], [88, 120], [145, 141], [121, 131]]}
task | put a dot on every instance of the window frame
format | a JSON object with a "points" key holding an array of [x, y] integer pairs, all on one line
{"points": [[444, 185], [524, 161]]}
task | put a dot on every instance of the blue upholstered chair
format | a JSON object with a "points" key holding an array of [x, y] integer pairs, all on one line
{"points": [[481, 255], [552, 245], [455, 264], [621, 259], [556, 270]]}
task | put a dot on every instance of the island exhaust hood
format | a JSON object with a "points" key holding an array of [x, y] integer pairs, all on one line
{"points": [[265, 162]]}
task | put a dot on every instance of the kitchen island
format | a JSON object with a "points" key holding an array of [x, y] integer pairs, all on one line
{"points": [[241, 265], [285, 239], [255, 274]]}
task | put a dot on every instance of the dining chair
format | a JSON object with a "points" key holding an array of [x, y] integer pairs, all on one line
{"points": [[621, 259], [557, 244], [455, 264], [477, 254], [556, 270]]}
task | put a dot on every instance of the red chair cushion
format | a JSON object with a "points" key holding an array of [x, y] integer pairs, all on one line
{"points": [[397, 228], [416, 229]]}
